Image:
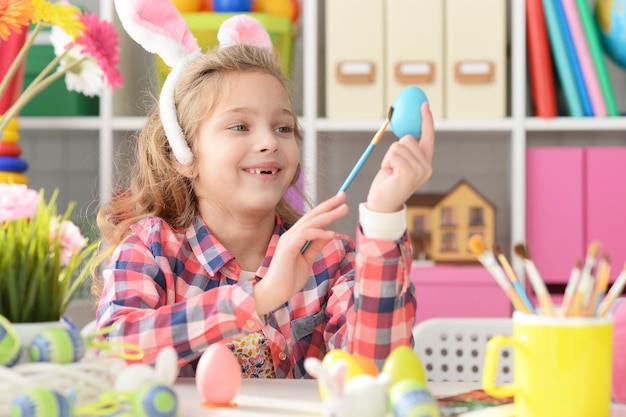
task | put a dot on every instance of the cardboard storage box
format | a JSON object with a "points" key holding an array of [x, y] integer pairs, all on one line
{"points": [[476, 69], [204, 26], [415, 51], [354, 59]]}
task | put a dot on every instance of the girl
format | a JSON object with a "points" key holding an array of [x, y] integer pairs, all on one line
{"points": [[209, 251]]}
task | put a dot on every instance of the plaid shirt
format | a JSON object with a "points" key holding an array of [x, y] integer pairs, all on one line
{"points": [[181, 289]]}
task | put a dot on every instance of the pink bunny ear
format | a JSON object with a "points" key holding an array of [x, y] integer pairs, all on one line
{"points": [[243, 30], [158, 27]]}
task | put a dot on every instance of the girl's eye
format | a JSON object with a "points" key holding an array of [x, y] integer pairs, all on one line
{"points": [[285, 129], [238, 128]]}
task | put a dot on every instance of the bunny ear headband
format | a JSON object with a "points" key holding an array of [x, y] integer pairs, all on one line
{"points": [[160, 29]]}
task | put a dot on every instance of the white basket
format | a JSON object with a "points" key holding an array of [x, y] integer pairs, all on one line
{"points": [[87, 380], [453, 349]]}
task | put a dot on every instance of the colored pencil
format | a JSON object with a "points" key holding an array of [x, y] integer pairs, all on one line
{"points": [[614, 292], [527, 305], [486, 257], [536, 281]]}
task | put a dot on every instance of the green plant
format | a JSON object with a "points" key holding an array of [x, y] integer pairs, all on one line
{"points": [[44, 259]]}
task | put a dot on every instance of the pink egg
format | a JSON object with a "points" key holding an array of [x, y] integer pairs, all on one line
{"points": [[218, 375]]}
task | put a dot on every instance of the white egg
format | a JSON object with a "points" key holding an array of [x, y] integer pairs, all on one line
{"points": [[134, 376], [166, 366]]}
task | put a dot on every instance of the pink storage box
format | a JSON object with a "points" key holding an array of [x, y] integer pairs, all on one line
{"points": [[457, 291]]}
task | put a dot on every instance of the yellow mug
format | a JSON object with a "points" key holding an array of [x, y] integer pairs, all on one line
{"points": [[561, 366]]}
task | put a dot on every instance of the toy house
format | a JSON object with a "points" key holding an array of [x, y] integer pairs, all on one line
{"points": [[440, 224]]}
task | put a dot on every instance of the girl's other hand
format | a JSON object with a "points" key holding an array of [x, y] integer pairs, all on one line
{"points": [[405, 167]]}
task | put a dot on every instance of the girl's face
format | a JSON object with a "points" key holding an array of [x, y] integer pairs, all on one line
{"points": [[247, 152]]}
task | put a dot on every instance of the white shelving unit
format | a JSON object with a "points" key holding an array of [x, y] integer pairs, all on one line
{"points": [[490, 151]]}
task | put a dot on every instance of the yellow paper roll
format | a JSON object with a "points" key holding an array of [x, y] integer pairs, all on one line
{"points": [[13, 177]]}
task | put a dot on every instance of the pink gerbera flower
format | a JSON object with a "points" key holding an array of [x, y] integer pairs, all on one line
{"points": [[100, 40]]}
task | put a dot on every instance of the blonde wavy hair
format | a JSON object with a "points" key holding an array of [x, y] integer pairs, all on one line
{"points": [[156, 187]]}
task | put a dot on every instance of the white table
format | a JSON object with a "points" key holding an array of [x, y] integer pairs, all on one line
{"points": [[289, 398]]}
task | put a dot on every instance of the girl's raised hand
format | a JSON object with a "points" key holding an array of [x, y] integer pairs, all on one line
{"points": [[290, 267], [405, 167]]}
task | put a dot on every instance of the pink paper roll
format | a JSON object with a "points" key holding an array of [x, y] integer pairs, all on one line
{"points": [[10, 49]]}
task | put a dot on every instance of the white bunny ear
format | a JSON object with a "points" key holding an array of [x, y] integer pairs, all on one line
{"points": [[315, 368], [158, 27], [338, 372]]}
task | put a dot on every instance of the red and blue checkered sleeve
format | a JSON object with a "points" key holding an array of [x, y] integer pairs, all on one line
{"points": [[374, 313]]}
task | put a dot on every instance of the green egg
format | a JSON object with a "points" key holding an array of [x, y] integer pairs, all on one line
{"points": [[411, 398], [153, 399], [40, 402], [58, 345], [10, 344]]}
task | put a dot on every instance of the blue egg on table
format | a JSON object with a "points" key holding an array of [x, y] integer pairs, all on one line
{"points": [[58, 345], [10, 344], [406, 118], [40, 402], [153, 399]]}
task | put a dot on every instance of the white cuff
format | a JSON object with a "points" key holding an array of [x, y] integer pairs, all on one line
{"points": [[386, 226]]}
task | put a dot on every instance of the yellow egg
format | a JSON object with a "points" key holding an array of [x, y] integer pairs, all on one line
{"points": [[367, 365], [284, 8], [403, 363], [187, 6], [353, 368]]}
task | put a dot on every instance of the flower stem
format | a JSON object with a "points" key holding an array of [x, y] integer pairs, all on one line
{"points": [[18, 61], [44, 72], [34, 89]]}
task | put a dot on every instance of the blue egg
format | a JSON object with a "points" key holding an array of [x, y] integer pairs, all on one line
{"points": [[231, 6], [406, 118], [58, 345], [40, 402], [10, 344], [153, 399]]}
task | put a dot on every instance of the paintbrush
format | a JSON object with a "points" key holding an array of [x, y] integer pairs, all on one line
{"points": [[359, 164], [486, 257], [526, 306], [583, 291], [614, 292], [570, 289], [601, 284], [539, 287]]}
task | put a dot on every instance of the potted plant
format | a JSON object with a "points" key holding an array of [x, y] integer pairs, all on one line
{"points": [[44, 258]]}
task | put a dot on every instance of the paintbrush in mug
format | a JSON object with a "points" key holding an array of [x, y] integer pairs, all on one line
{"points": [[513, 278], [570, 289], [583, 291], [486, 257], [614, 292], [601, 284], [539, 287], [359, 164]]}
